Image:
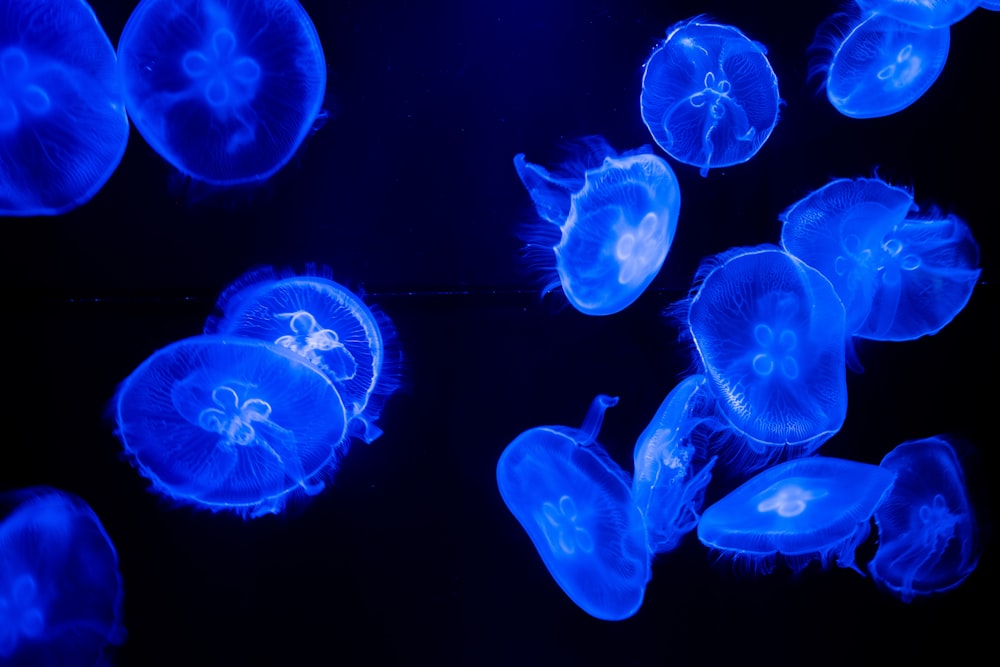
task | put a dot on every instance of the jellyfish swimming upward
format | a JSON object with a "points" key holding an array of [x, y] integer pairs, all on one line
{"points": [[609, 219], [224, 90], [60, 585], [709, 95], [63, 127]]}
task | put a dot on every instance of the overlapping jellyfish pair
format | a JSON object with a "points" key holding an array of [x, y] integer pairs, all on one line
{"points": [[607, 221], [265, 403], [63, 128], [224, 90], [709, 96], [60, 585]]}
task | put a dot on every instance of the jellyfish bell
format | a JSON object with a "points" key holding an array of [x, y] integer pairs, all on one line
{"points": [[937, 14]]}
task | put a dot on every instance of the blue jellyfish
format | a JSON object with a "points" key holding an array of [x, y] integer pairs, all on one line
{"points": [[574, 502], [709, 95], [928, 535], [617, 215], [991, 5], [63, 127], [231, 423], [901, 274], [922, 14], [224, 90], [877, 65], [671, 471], [768, 331], [323, 322], [810, 509], [60, 586]]}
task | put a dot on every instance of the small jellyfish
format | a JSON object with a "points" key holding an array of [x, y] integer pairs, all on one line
{"points": [[231, 423], [323, 322], [574, 503], [614, 219], [877, 65], [922, 13], [224, 90], [60, 586], [810, 509], [63, 127], [709, 95], [928, 535]]}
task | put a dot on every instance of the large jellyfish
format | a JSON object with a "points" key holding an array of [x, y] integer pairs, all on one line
{"points": [[810, 509], [231, 423], [60, 586], [609, 219], [224, 90], [922, 13], [575, 504], [928, 534], [709, 95], [63, 127], [323, 322]]}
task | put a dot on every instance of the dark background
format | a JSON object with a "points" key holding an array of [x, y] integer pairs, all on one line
{"points": [[409, 194]]}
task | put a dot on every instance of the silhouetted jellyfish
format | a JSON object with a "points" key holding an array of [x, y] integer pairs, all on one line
{"points": [[574, 503], [63, 127], [873, 65], [810, 509], [768, 331], [901, 274], [353, 344], [922, 13], [231, 423], [709, 95], [928, 535], [60, 586], [614, 216], [671, 472], [224, 90]]}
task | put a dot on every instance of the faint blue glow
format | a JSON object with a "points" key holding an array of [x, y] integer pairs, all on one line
{"points": [[923, 13]]}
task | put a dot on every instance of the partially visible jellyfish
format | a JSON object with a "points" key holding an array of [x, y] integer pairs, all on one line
{"points": [[326, 324], [709, 95], [231, 423], [63, 127], [810, 509], [901, 274], [991, 5], [614, 219], [224, 90], [877, 66], [922, 13], [574, 502], [671, 470], [928, 534], [768, 331], [60, 586]]}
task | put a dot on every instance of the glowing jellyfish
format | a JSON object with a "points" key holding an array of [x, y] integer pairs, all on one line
{"points": [[769, 335], [928, 535], [709, 95], [224, 90], [323, 322], [877, 65], [901, 274], [614, 219], [63, 127], [991, 5], [922, 13], [811, 509], [671, 472], [574, 502], [60, 586], [231, 423]]}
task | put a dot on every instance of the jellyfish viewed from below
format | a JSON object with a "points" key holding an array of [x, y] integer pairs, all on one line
{"points": [[231, 423], [324, 323], [921, 13], [878, 65], [63, 127], [224, 90], [609, 219], [709, 95], [928, 534], [574, 502], [811, 509], [60, 585]]}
